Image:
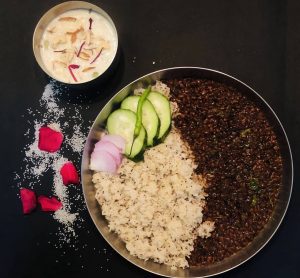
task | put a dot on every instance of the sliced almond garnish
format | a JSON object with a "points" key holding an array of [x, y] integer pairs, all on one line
{"points": [[74, 34], [58, 40], [73, 37], [52, 30], [60, 51], [58, 63], [90, 50], [105, 44], [68, 18], [88, 68], [99, 42], [67, 57], [76, 31], [84, 55], [82, 58]]}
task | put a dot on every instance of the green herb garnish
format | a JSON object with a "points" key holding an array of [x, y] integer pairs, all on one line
{"points": [[95, 74], [138, 124], [254, 185], [245, 132], [254, 200]]}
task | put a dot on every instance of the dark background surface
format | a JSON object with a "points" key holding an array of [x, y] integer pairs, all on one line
{"points": [[255, 41]]}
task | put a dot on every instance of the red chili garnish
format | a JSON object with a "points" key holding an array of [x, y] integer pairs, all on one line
{"points": [[80, 49], [49, 140], [71, 67], [49, 204], [97, 56], [63, 50], [91, 22], [28, 199], [69, 174]]}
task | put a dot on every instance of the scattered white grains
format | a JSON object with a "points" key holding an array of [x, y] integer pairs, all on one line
{"points": [[65, 217], [55, 126], [37, 163], [76, 141], [48, 100], [41, 170]]}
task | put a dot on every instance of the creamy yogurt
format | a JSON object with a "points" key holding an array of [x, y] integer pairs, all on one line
{"points": [[78, 45]]}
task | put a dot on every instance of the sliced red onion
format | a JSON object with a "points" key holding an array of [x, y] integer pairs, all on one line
{"points": [[111, 149], [103, 161], [117, 140]]}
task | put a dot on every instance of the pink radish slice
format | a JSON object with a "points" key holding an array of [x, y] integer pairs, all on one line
{"points": [[117, 140], [111, 149], [103, 161]]}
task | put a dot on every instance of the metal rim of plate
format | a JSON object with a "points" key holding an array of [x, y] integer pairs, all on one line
{"points": [[264, 235]]}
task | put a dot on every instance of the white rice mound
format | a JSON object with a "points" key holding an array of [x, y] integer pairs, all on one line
{"points": [[155, 206]]}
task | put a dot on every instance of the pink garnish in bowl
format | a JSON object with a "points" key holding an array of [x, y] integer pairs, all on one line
{"points": [[49, 140], [49, 204], [97, 56], [60, 51], [28, 199], [80, 49], [71, 67], [91, 22], [69, 174]]}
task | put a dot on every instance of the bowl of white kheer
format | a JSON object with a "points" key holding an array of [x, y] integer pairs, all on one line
{"points": [[76, 43]]}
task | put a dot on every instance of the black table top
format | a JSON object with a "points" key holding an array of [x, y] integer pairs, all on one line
{"points": [[255, 41]]}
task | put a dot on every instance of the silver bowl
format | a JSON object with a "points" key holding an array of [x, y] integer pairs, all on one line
{"points": [[55, 12], [264, 235]]}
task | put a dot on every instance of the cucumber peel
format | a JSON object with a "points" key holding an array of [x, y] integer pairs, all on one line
{"points": [[122, 122], [150, 120], [163, 109]]}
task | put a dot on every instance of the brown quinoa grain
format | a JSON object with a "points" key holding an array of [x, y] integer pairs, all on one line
{"points": [[237, 151]]}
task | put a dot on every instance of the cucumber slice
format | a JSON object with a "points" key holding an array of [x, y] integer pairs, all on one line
{"points": [[163, 109], [149, 117], [122, 122]]}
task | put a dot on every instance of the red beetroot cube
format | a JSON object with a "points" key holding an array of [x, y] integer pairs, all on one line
{"points": [[50, 140], [49, 204], [69, 174], [28, 199]]}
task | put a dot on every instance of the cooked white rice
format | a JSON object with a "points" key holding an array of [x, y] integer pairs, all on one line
{"points": [[155, 206]]}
